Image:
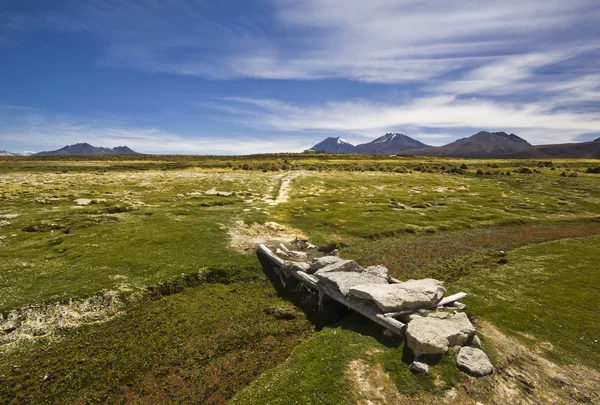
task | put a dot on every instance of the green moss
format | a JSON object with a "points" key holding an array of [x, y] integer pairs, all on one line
{"points": [[548, 291]]}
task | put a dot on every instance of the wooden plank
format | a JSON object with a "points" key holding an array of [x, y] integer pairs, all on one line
{"points": [[399, 313], [276, 260], [452, 298]]}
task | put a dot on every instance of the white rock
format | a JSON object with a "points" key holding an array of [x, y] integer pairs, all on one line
{"points": [[299, 255], [341, 265], [297, 266], [343, 281], [433, 335], [397, 297], [281, 253], [321, 262], [419, 367], [474, 361], [378, 269], [474, 341]]}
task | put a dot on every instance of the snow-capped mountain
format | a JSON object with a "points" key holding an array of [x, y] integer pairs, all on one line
{"points": [[334, 145], [390, 144]]}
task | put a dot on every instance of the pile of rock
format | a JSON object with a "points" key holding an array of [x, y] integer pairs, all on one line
{"points": [[432, 329]]}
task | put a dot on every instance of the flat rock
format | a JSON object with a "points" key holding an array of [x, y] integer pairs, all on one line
{"points": [[341, 265], [419, 367], [319, 263], [407, 295], [434, 334], [343, 281], [378, 269], [297, 266], [474, 361]]}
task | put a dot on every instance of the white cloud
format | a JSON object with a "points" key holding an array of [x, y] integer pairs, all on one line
{"points": [[32, 129], [534, 121], [381, 41]]}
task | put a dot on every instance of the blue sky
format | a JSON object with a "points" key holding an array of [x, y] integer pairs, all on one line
{"points": [[253, 76]]}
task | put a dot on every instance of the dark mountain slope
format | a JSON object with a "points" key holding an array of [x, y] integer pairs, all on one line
{"points": [[586, 150], [87, 149], [334, 145], [482, 144], [390, 144]]}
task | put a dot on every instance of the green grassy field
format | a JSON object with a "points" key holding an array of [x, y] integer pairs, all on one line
{"points": [[196, 323]]}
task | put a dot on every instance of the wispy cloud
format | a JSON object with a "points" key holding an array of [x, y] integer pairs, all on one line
{"points": [[533, 121], [528, 66], [33, 129], [381, 41]]}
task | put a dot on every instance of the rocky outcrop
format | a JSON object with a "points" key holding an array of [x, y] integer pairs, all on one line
{"points": [[436, 333], [397, 297], [474, 361]]}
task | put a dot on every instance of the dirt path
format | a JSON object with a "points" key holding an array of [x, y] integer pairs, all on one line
{"points": [[285, 188]]}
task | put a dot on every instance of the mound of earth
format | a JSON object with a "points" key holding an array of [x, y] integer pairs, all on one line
{"points": [[245, 238]]}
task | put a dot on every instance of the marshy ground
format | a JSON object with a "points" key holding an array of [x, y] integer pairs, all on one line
{"points": [[136, 281]]}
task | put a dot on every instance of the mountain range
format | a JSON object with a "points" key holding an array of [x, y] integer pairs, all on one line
{"points": [[87, 149], [480, 145], [24, 153]]}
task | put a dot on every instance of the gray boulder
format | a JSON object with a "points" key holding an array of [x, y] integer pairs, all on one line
{"points": [[474, 341], [378, 269], [474, 361], [397, 297], [319, 263], [341, 265], [418, 367], [343, 281], [437, 332]]}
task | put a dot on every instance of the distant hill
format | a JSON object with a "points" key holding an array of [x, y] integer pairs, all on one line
{"points": [[585, 150], [87, 149], [5, 153], [390, 144], [334, 145], [481, 145]]}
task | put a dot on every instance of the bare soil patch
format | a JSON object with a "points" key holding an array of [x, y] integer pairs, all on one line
{"points": [[371, 385], [245, 238], [43, 320], [521, 376]]}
